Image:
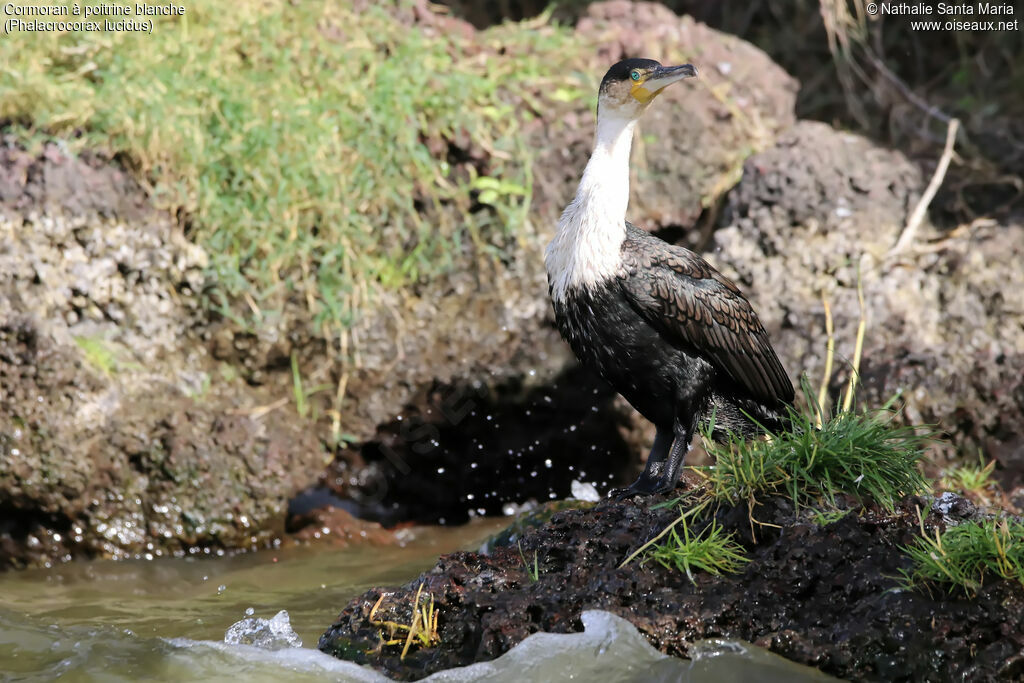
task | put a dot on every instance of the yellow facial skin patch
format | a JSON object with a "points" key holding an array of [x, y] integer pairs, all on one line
{"points": [[640, 93]]}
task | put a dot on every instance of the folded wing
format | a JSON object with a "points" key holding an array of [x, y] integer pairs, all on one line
{"points": [[697, 308]]}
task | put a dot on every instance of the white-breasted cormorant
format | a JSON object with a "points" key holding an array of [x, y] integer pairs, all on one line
{"points": [[670, 333]]}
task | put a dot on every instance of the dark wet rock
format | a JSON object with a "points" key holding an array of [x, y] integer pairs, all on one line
{"points": [[941, 330], [819, 595]]}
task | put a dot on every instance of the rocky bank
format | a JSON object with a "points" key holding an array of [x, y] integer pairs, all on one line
{"points": [[821, 594], [137, 419]]}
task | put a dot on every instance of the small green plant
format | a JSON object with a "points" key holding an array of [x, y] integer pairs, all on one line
{"points": [[826, 517], [963, 556], [712, 550], [302, 395], [532, 571], [864, 455], [970, 478], [98, 354]]}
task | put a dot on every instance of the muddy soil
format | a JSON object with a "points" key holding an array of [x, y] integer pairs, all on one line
{"points": [[824, 596]]}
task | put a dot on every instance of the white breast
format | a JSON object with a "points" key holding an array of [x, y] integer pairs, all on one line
{"points": [[586, 249]]}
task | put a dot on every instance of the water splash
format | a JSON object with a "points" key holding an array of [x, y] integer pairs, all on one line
{"points": [[584, 491], [275, 633]]}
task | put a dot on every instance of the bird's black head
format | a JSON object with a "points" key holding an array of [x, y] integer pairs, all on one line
{"points": [[623, 72], [630, 85]]}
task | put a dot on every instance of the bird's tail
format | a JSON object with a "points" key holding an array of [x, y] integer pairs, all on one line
{"points": [[747, 417]]}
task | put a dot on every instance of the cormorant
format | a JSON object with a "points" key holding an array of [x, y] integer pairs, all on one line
{"points": [[670, 333]]}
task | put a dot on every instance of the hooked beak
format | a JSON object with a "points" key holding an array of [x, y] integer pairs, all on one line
{"points": [[665, 76]]}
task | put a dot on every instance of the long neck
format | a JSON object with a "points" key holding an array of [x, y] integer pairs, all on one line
{"points": [[585, 251], [605, 184]]}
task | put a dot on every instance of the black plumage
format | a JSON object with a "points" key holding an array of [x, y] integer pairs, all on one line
{"points": [[680, 342]]}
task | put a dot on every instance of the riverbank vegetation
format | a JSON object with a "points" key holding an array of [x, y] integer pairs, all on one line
{"points": [[313, 155]]}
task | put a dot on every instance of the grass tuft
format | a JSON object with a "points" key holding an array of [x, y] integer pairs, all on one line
{"points": [[98, 354], [864, 455], [970, 478], [963, 556], [106, 357], [711, 550], [422, 631]]}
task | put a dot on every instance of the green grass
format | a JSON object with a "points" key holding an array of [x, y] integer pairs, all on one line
{"points": [[970, 478], [106, 357], [711, 550], [302, 394], [826, 517], [532, 570], [965, 555], [297, 139], [864, 455], [98, 354]]}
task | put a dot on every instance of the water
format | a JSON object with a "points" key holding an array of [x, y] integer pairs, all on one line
{"points": [[121, 620], [166, 620]]}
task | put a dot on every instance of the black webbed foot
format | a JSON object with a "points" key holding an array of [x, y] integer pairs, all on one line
{"points": [[644, 486], [660, 475]]}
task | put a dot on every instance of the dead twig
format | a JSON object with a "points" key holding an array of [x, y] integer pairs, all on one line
{"points": [[858, 348], [907, 236], [830, 351]]}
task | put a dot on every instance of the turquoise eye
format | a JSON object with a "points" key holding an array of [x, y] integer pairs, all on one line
{"points": [[635, 75]]}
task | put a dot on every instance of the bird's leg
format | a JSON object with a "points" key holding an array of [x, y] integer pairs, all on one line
{"points": [[649, 480], [674, 463], [683, 433]]}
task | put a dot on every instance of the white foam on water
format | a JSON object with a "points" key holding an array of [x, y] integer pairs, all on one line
{"points": [[275, 633], [609, 650]]}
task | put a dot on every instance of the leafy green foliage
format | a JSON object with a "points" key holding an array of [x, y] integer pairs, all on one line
{"points": [[306, 143], [963, 556]]}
